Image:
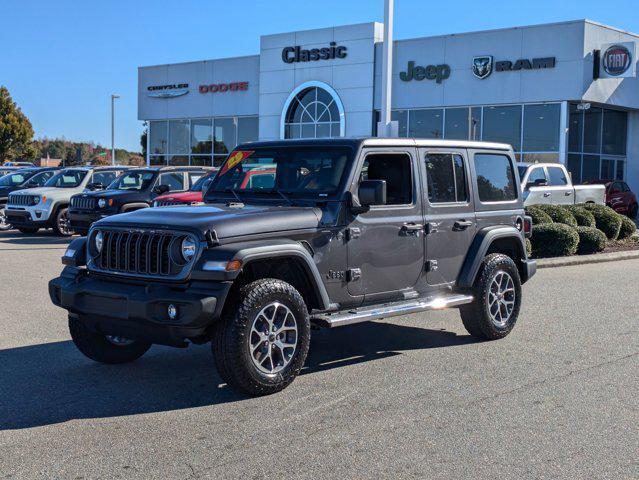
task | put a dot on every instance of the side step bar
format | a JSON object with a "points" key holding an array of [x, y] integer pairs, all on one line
{"points": [[388, 310]]}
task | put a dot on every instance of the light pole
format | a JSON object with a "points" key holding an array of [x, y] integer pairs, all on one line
{"points": [[386, 128], [113, 97]]}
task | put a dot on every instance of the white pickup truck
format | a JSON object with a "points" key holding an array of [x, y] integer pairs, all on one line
{"points": [[550, 183]]}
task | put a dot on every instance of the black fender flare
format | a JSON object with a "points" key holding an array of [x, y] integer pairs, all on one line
{"points": [[482, 242], [211, 264], [128, 207]]}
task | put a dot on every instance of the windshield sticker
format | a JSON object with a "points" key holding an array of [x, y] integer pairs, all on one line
{"points": [[234, 159]]}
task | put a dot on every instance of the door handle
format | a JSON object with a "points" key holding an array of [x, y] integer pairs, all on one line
{"points": [[462, 224], [567, 193], [547, 194], [411, 228]]}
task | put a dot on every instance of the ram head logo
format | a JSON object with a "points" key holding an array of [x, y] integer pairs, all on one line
{"points": [[482, 66]]}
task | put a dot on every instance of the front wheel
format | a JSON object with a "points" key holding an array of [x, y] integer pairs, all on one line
{"points": [[4, 225], [497, 299], [261, 342], [62, 227], [108, 349]]}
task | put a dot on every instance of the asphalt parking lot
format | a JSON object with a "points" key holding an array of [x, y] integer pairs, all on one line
{"points": [[409, 398]]}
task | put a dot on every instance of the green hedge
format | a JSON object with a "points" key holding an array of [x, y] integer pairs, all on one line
{"points": [[628, 227], [539, 217], [554, 240], [606, 219], [528, 248], [584, 217], [559, 214], [591, 240]]}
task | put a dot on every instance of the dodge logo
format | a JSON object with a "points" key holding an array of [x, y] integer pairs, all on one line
{"points": [[482, 66]]}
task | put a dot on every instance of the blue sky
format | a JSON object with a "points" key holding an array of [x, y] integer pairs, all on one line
{"points": [[62, 59]]}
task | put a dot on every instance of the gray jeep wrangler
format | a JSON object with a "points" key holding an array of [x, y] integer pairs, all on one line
{"points": [[340, 231]]}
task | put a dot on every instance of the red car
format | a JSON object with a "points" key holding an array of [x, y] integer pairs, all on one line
{"points": [[194, 195], [619, 197]]}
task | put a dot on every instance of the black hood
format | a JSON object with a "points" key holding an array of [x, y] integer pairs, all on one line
{"points": [[227, 221], [112, 193]]}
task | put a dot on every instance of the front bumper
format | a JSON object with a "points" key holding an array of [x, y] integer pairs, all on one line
{"points": [[26, 219], [81, 221], [529, 268], [139, 310]]}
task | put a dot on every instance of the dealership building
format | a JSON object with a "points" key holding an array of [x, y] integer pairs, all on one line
{"points": [[564, 92]]}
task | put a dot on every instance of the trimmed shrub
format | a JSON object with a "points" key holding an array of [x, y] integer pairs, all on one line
{"points": [[528, 248], [554, 240], [591, 240], [628, 227], [584, 217], [539, 217], [559, 214], [606, 219]]}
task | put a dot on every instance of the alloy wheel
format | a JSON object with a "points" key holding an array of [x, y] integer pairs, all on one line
{"points": [[273, 338], [501, 298], [63, 224], [4, 225]]}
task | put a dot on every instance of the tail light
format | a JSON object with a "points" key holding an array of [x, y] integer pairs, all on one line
{"points": [[528, 226]]}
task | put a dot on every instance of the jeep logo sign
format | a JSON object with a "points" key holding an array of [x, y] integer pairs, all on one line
{"points": [[616, 60], [438, 73], [298, 54]]}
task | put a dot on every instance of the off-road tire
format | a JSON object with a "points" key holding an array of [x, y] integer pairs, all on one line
{"points": [[96, 346], [62, 216], [476, 316], [231, 337], [28, 231]]}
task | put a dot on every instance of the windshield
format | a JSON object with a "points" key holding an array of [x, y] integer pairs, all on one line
{"points": [[15, 179], [314, 171], [136, 180], [522, 172], [67, 179], [203, 183]]}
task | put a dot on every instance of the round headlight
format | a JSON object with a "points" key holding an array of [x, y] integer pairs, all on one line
{"points": [[99, 241], [102, 203], [188, 248], [35, 200]]}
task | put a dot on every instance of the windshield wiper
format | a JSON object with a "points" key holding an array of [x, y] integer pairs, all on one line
{"points": [[281, 194], [235, 194]]}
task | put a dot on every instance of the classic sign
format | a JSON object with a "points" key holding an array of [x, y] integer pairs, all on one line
{"points": [[438, 73], [298, 54], [168, 91]]}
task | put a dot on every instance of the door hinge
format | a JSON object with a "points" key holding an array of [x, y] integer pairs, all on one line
{"points": [[431, 265], [352, 233], [354, 274]]}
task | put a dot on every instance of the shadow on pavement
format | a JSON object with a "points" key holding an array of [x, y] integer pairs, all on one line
{"points": [[52, 383], [44, 238]]}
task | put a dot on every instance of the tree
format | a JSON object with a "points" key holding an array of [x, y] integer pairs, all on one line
{"points": [[16, 131]]}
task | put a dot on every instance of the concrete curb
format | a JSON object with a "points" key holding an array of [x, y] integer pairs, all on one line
{"points": [[585, 259]]}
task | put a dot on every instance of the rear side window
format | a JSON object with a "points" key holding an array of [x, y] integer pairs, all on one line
{"points": [[446, 178], [173, 180], [495, 178], [557, 177]]}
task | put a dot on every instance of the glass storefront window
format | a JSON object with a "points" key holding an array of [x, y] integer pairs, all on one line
{"points": [[401, 117], [620, 173], [426, 123], [575, 127], [201, 160], [158, 137], [456, 124], [503, 124], [592, 130], [225, 135], [201, 136], [590, 167], [574, 166], [178, 160], [179, 136], [540, 158], [475, 123], [247, 129], [614, 132], [156, 160], [541, 128]]}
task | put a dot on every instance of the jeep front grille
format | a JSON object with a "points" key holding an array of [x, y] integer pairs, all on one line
{"points": [[140, 253], [21, 200], [83, 203], [167, 203]]}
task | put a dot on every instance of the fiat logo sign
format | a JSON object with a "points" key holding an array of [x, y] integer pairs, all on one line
{"points": [[616, 60]]}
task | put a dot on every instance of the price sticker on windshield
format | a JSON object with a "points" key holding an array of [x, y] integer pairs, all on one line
{"points": [[235, 158]]}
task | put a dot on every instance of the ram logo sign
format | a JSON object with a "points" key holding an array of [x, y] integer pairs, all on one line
{"points": [[482, 66]]}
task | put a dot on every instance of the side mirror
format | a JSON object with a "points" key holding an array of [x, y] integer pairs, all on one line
{"points": [[31, 184], [95, 186], [161, 189], [372, 192], [540, 182]]}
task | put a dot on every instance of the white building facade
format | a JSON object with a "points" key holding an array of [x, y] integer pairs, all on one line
{"points": [[565, 92]]}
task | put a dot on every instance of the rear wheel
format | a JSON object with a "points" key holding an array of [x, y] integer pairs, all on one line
{"points": [[497, 299], [261, 342], [4, 225], [62, 227], [105, 348], [28, 231]]}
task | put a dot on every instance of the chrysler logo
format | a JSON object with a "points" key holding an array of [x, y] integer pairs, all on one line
{"points": [[168, 91], [482, 66]]}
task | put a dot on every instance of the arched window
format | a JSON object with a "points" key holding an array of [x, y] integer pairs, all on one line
{"points": [[313, 110]]}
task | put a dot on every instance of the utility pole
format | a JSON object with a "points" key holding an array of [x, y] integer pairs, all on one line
{"points": [[387, 128], [113, 97]]}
